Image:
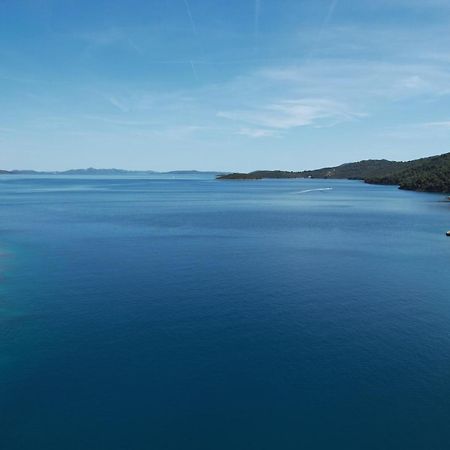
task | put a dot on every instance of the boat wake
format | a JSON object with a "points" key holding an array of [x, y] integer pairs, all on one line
{"points": [[314, 190]]}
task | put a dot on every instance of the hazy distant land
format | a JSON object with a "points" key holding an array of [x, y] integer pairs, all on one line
{"points": [[93, 171]]}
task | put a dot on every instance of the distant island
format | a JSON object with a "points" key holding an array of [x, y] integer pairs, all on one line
{"points": [[93, 171], [430, 174]]}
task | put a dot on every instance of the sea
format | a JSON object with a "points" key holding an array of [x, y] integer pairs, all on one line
{"points": [[179, 312]]}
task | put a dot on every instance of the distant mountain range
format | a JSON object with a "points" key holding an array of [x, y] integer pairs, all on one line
{"points": [[92, 171], [430, 174]]}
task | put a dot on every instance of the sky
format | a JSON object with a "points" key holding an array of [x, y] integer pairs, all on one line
{"points": [[233, 85]]}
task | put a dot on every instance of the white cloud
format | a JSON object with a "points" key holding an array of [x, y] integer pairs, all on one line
{"points": [[361, 79], [422, 130], [356, 70], [257, 133], [414, 82], [288, 114], [443, 125]]}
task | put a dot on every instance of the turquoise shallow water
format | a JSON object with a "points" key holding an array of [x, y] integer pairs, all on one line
{"points": [[187, 313]]}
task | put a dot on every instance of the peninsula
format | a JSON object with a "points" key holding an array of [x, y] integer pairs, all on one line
{"points": [[430, 174]]}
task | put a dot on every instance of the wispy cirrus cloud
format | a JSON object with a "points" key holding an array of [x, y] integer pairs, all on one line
{"points": [[362, 79], [433, 130], [443, 124], [288, 114], [257, 133], [107, 37]]}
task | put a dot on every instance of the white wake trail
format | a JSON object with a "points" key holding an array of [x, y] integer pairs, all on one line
{"points": [[314, 190]]}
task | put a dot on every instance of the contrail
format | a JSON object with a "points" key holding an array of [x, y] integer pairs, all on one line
{"points": [[325, 22], [330, 13], [194, 71], [256, 23], [188, 9]]}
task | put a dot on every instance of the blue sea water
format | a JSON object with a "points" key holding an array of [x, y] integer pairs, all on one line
{"points": [[186, 313]]}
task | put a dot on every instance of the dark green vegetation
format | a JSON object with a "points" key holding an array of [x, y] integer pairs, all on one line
{"points": [[427, 174], [261, 174]]}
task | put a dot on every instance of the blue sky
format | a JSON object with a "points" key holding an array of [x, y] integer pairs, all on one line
{"points": [[222, 84]]}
